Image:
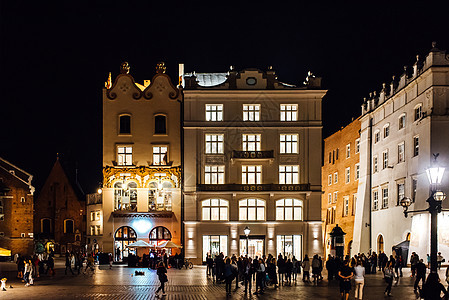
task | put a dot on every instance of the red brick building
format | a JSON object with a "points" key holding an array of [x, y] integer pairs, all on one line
{"points": [[16, 209], [60, 210]]}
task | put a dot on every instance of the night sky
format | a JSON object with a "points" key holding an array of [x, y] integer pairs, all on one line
{"points": [[56, 56]]}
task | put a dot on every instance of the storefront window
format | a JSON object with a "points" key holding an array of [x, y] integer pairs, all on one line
{"points": [[290, 245], [158, 235], [214, 245], [124, 236]]}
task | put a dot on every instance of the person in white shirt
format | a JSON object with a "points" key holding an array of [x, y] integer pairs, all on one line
{"points": [[359, 279]]}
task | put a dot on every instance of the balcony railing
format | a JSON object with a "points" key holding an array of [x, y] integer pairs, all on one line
{"points": [[268, 154], [94, 199], [253, 187]]}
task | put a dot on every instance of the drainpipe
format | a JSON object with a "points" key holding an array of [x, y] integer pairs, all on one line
{"points": [[370, 185], [182, 172]]}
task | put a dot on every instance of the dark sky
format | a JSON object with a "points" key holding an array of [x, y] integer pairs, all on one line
{"points": [[55, 57]]}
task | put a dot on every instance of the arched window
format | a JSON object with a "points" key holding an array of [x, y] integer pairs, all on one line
{"points": [[124, 236], [125, 124], [401, 122], [215, 210], [69, 226], [118, 194], [407, 238], [46, 226], [380, 243], [160, 124], [288, 210], [159, 234], [251, 210]]}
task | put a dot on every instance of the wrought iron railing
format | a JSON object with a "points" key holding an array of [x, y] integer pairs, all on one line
{"points": [[253, 187], [253, 154]]}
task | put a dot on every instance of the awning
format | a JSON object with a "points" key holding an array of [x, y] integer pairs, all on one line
{"points": [[5, 252], [169, 244], [139, 244]]}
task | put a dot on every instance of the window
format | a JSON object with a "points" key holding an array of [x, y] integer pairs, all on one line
{"points": [[334, 210], [376, 136], [401, 122], [335, 196], [329, 198], [289, 112], [251, 174], [22, 199], [288, 143], [375, 200], [160, 155], [345, 206], [401, 152], [288, 210], [336, 177], [125, 124], [288, 174], [348, 150], [384, 197], [415, 145], [92, 216], [251, 142], [336, 154], [251, 112], [159, 233], [375, 168], [215, 210], [97, 230], [46, 226], [251, 210], [386, 130], [401, 192], [92, 229], [357, 146], [98, 214], [357, 171], [69, 226], [418, 112], [160, 124], [214, 112], [124, 155], [214, 143], [330, 157], [329, 179], [414, 188], [214, 174], [214, 245], [354, 201], [125, 196], [348, 175], [385, 159]]}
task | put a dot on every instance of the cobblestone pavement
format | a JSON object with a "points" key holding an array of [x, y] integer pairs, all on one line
{"points": [[120, 283]]}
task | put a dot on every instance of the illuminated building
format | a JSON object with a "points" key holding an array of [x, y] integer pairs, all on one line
{"points": [[16, 209], [401, 127], [252, 160], [141, 193]]}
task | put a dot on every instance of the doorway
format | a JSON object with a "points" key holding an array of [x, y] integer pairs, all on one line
{"points": [[253, 246]]}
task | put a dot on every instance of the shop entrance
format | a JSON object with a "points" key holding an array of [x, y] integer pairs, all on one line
{"points": [[253, 246], [124, 236]]}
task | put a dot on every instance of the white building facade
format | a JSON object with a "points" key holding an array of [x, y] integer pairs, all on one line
{"points": [[400, 130]]}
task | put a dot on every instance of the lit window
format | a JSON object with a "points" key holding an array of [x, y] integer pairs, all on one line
{"points": [[214, 174], [401, 122], [375, 200], [92, 216], [348, 175], [98, 215], [348, 150], [125, 124], [288, 174], [401, 152], [418, 112], [386, 131], [214, 143], [251, 142], [336, 177], [288, 143], [92, 229], [251, 112], [288, 210], [345, 206], [97, 229], [357, 146], [385, 159], [401, 193], [251, 210], [289, 112], [329, 179], [160, 155], [415, 145], [357, 172], [385, 198], [251, 174], [214, 112], [124, 155], [375, 165], [215, 210]]}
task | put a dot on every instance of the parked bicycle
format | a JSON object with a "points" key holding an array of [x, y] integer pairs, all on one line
{"points": [[187, 263]]}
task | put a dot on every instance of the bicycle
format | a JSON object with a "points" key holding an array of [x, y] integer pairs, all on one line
{"points": [[187, 263]]}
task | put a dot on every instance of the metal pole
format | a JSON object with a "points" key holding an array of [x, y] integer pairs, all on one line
{"points": [[433, 235], [247, 252]]}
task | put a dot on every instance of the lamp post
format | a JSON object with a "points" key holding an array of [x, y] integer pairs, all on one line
{"points": [[435, 175], [246, 231]]}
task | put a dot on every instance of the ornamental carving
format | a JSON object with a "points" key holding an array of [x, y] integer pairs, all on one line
{"points": [[141, 175]]}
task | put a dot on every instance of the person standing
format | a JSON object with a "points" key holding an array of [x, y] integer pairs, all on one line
{"points": [[433, 288], [420, 273], [359, 280], [281, 269], [27, 272], [295, 268], [388, 275], [306, 269], [247, 272], [345, 275], [228, 273], [50, 265], [414, 260], [68, 263], [330, 267], [315, 268], [288, 271], [440, 260], [260, 276], [162, 275]]}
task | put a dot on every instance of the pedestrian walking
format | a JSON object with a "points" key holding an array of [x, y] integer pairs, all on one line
{"points": [[414, 260], [68, 263], [306, 269], [315, 268], [420, 274], [162, 275], [27, 271], [433, 288], [388, 275], [359, 279], [345, 275], [295, 268]]}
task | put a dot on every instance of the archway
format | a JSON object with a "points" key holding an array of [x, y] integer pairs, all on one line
{"points": [[124, 236], [380, 243]]}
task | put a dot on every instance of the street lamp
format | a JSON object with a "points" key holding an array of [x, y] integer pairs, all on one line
{"points": [[435, 175], [246, 231]]}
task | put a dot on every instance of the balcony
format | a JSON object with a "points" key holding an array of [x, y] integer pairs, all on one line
{"points": [[269, 154], [150, 215], [253, 187]]}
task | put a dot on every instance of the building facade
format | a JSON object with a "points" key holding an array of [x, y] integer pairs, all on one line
{"points": [[141, 193], [401, 128], [339, 176], [59, 221], [16, 209], [252, 158]]}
